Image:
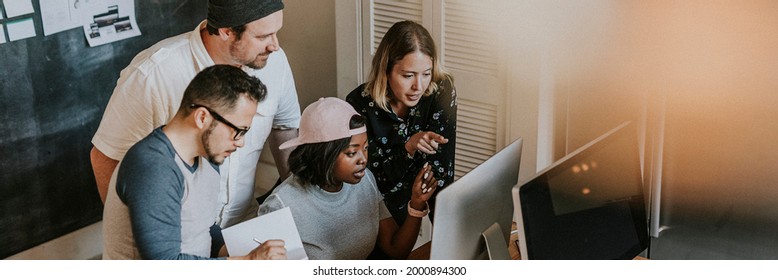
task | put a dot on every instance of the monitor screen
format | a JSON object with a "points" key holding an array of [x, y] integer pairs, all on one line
{"points": [[587, 205], [473, 215]]}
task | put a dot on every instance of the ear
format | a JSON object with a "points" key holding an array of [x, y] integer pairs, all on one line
{"points": [[225, 33], [200, 118]]}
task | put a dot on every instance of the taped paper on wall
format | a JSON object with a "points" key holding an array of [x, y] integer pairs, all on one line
{"points": [[111, 26], [21, 29], [15, 8]]}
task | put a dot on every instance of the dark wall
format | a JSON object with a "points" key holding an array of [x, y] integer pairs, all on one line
{"points": [[53, 91]]}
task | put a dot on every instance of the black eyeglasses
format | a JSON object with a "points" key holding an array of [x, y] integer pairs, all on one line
{"points": [[239, 132]]}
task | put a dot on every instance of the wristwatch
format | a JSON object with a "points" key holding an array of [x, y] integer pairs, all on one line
{"points": [[417, 213]]}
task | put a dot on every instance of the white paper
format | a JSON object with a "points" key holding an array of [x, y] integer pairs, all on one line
{"points": [[113, 22], [2, 33], [61, 15], [58, 15], [20, 29], [18, 7], [276, 225]]}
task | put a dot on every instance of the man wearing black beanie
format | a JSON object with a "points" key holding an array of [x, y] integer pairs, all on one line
{"points": [[148, 93], [231, 18]]}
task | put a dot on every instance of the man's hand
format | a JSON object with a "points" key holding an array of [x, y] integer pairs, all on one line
{"points": [[269, 250]]}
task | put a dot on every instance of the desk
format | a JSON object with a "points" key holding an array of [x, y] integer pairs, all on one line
{"points": [[423, 252]]}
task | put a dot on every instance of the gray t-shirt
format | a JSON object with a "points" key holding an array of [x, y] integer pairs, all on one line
{"points": [[158, 207], [332, 226]]}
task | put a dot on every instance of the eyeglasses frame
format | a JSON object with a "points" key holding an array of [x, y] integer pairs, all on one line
{"points": [[239, 132]]}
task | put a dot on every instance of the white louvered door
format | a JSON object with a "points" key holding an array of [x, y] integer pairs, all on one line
{"points": [[387, 12], [467, 40], [470, 52]]}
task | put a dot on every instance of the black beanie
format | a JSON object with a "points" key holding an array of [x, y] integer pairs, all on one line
{"points": [[231, 13]]}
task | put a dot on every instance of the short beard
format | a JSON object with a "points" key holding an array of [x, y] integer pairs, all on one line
{"points": [[255, 64], [205, 140]]}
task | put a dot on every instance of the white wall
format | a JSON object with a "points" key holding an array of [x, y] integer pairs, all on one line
{"points": [[308, 38], [569, 65]]}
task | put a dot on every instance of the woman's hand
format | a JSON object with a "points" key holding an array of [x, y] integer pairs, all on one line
{"points": [[425, 141], [423, 188]]}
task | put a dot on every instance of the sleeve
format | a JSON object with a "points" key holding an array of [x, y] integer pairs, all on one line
{"points": [[383, 212], [134, 110], [153, 196], [288, 115], [389, 158], [444, 122], [394, 161], [272, 203]]}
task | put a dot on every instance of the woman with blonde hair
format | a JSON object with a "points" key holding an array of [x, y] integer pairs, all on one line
{"points": [[410, 105]]}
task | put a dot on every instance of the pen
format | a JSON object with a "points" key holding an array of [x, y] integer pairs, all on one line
{"points": [[258, 242]]}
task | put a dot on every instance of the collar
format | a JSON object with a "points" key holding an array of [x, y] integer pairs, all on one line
{"points": [[199, 53]]}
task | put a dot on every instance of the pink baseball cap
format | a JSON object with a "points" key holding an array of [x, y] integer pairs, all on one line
{"points": [[325, 120]]}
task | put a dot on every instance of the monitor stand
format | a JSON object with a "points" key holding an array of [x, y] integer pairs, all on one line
{"points": [[495, 243]]}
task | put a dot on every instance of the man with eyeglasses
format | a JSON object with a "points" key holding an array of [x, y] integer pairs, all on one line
{"points": [[241, 33], [161, 199]]}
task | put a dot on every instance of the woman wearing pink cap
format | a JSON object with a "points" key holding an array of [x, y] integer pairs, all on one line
{"points": [[410, 104], [334, 200]]}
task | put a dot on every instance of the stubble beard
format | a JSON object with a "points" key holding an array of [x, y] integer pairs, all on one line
{"points": [[206, 141], [256, 63]]}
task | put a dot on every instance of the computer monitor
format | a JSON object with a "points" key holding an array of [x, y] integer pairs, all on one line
{"points": [[587, 205], [473, 215]]}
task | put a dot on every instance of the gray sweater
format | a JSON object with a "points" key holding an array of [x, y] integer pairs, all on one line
{"points": [[332, 226]]}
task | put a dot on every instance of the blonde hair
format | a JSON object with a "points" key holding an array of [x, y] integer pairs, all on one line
{"points": [[403, 37]]}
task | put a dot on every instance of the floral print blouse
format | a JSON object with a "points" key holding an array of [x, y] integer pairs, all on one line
{"points": [[394, 169]]}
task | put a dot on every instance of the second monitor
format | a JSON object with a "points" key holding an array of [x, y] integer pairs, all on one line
{"points": [[587, 205]]}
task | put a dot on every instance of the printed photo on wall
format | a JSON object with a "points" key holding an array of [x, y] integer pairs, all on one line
{"points": [[109, 26]]}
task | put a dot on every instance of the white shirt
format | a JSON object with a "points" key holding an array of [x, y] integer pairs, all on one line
{"points": [[149, 92]]}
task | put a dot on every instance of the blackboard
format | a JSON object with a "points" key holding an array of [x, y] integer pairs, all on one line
{"points": [[53, 91]]}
